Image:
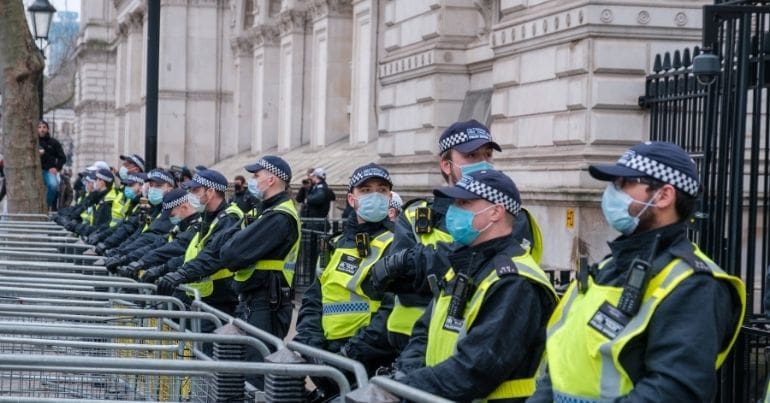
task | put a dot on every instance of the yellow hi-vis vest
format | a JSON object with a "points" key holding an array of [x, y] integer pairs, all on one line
{"points": [[119, 206], [584, 363], [346, 308], [536, 246], [289, 262], [205, 287], [402, 318], [442, 343]]}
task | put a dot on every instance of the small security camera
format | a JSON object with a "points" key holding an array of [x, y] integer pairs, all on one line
{"points": [[706, 68]]}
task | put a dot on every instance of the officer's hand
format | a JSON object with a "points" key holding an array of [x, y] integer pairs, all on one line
{"points": [[134, 267], [153, 273], [100, 248], [91, 239], [389, 268], [168, 283], [111, 263], [123, 271], [70, 225]]}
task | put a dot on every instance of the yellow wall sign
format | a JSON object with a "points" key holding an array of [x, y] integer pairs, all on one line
{"points": [[570, 218]]}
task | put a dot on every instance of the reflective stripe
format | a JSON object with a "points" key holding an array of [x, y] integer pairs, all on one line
{"points": [[345, 307], [559, 397]]}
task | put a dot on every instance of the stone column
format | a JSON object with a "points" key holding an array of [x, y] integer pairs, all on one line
{"points": [[363, 126], [266, 89], [94, 101], [243, 92], [330, 95], [292, 60], [133, 137]]}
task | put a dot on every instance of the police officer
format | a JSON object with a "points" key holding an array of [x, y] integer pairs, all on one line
{"points": [[483, 334], [420, 232], [132, 185], [656, 319], [264, 254], [202, 269], [186, 223], [103, 207], [156, 225], [395, 207], [132, 164], [335, 306]]}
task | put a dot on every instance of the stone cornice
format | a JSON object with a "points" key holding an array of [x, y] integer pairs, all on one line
{"points": [[291, 22], [319, 9], [537, 29]]}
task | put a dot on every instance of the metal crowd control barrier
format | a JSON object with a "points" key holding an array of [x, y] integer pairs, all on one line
{"points": [[70, 331]]}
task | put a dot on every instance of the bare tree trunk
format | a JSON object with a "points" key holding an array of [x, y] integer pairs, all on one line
{"points": [[21, 66]]}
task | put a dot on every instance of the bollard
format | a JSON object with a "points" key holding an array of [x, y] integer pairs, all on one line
{"points": [[229, 386], [282, 388]]}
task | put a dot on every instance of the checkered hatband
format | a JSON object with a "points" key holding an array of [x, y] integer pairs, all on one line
{"points": [[367, 173], [660, 172], [103, 177], [209, 183], [160, 176], [175, 203], [451, 141], [489, 194], [274, 170], [135, 179]]}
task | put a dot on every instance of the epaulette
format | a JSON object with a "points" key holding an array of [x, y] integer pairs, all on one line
{"points": [[504, 265]]}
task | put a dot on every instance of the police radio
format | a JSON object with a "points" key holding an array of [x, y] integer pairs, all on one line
{"points": [[362, 244], [423, 223], [461, 289], [636, 282]]}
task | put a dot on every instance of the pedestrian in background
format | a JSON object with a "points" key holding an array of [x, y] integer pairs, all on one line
{"points": [[52, 159]]}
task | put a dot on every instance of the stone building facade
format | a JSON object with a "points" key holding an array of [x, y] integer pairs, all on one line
{"points": [[338, 83]]}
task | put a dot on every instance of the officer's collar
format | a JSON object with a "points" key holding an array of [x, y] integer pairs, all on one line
{"points": [[352, 226], [471, 259], [673, 240], [189, 220], [210, 215], [275, 200]]}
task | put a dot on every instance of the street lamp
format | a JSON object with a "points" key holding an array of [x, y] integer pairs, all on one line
{"points": [[42, 14]]}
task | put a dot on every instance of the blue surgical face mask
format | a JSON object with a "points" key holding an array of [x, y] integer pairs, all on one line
{"points": [[174, 219], [155, 196], [195, 202], [373, 207], [254, 189], [475, 167], [128, 191], [459, 223], [615, 204], [123, 173]]}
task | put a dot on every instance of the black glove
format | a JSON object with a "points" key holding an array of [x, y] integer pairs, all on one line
{"points": [[168, 283], [389, 268], [92, 238], [111, 252], [123, 271], [100, 248], [111, 263], [153, 273], [133, 268], [70, 225]]}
